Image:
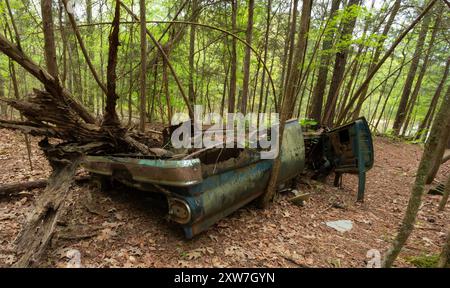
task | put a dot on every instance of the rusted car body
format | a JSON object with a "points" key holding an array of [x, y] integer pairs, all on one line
{"points": [[217, 182]]}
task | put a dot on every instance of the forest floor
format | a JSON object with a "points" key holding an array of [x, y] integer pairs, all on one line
{"points": [[129, 229]]}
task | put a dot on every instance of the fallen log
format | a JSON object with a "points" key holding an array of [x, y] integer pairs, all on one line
{"points": [[14, 188], [41, 223]]}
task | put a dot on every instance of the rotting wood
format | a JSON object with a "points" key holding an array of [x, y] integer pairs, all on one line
{"points": [[40, 226], [15, 188]]}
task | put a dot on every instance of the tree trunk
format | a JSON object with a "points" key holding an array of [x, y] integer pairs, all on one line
{"points": [[3, 106], [90, 31], [434, 101], [401, 110], [110, 119], [143, 96], [233, 71], [389, 95], [49, 38], [292, 32], [302, 45], [288, 99], [417, 192], [423, 69], [194, 7], [444, 258], [166, 92], [292, 17], [378, 50], [339, 67], [442, 125], [248, 51], [445, 195], [266, 49]]}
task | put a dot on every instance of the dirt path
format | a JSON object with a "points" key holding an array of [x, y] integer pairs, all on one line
{"points": [[128, 229]]}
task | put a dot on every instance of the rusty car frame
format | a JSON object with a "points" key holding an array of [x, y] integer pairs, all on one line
{"points": [[218, 181]]}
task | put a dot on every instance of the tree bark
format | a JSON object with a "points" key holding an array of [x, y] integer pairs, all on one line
{"points": [[192, 32], [3, 106], [444, 258], [248, 51], [266, 49], [292, 32], [233, 71], [143, 95], [339, 68], [440, 126], [302, 44], [110, 119], [445, 195], [38, 231], [49, 38]]}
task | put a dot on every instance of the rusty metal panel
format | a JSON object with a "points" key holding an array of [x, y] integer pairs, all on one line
{"points": [[177, 173]]}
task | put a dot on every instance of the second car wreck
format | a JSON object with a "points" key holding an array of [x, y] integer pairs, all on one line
{"points": [[204, 188]]}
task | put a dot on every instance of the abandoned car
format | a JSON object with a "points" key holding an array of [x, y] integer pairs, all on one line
{"points": [[210, 184]]}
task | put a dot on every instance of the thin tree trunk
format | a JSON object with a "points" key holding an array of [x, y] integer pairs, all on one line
{"points": [[444, 136], [302, 45], [339, 68], [286, 52], [417, 192], [266, 48], [166, 93], [322, 75], [142, 98], [194, 7], [90, 31], [434, 101], [378, 50], [374, 115], [292, 31], [423, 69], [445, 195], [110, 119], [49, 38], [233, 72], [444, 258], [64, 42], [3, 106], [405, 97], [248, 51], [130, 82]]}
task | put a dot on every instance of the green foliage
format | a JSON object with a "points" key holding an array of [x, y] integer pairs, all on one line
{"points": [[424, 261], [212, 52]]}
